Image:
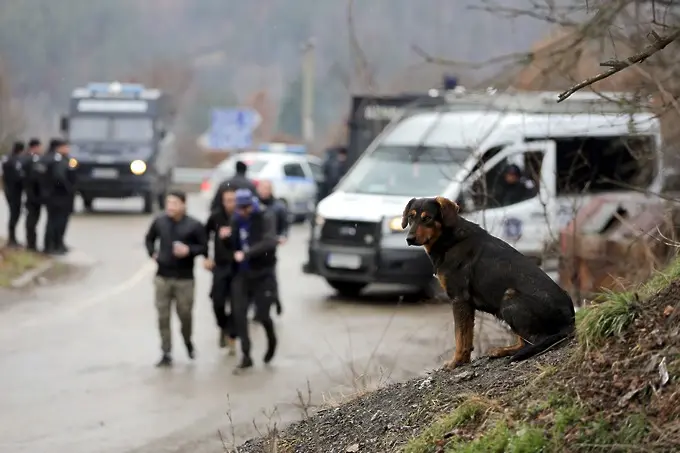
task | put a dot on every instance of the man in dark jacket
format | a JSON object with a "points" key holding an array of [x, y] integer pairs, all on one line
{"points": [[12, 183], [334, 168], [35, 170], [239, 181], [515, 188], [180, 240], [280, 213], [221, 265], [254, 242], [62, 179]]}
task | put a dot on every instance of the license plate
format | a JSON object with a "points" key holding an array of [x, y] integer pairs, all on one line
{"points": [[344, 261], [107, 173]]}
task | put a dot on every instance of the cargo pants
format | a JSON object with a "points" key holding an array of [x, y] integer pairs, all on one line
{"points": [[181, 292]]}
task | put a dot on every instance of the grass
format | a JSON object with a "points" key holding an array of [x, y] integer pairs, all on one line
{"points": [[548, 414], [15, 262]]}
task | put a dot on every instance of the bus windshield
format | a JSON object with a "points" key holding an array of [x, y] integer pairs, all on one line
{"points": [[107, 129]]}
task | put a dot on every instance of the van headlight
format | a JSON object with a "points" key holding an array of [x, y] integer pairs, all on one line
{"points": [[395, 225], [138, 167]]}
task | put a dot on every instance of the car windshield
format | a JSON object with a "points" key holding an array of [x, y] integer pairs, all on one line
{"points": [[406, 171], [93, 128]]}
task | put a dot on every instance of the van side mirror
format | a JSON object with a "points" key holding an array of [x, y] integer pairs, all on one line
{"points": [[63, 124]]}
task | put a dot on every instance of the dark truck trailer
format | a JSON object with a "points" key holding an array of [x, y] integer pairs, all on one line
{"points": [[121, 145], [370, 115]]}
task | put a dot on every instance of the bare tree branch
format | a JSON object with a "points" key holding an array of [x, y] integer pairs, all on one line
{"points": [[658, 44]]}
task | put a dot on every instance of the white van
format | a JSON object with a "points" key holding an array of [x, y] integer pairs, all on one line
{"points": [[568, 151]]}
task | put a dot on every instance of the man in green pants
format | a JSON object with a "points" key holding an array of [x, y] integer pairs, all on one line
{"points": [[174, 240]]}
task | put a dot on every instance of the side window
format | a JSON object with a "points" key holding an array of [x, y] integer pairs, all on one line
{"points": [[511, 181], [294, 170], [317, 171]]}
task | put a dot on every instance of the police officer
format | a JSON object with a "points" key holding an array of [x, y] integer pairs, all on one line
{"points": [[12, 181], [239, 181], [35, 170], [61, 197], [515, 188]]}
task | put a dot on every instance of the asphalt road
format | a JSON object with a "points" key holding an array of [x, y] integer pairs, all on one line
{"points": [[76, 359]]}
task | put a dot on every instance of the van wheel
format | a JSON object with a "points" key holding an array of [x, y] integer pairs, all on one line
{"points": [[88, 203], [148, 203], [347, 289]]}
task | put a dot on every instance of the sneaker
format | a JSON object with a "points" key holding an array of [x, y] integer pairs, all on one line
{"points": [[190, 350], [165, 361], [222, 340]]}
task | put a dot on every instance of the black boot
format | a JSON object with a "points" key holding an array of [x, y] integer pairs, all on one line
{"points": [[190, 350], [246, 362], [271, 343], [165, 361]]}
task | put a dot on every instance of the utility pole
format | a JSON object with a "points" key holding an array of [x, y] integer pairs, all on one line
{"points": [[308, 75]]}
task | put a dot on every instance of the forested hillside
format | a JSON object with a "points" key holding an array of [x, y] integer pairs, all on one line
{"points": [[235, 48]]}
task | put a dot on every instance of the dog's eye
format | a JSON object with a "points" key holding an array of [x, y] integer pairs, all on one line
{"points": [[427, 218]]}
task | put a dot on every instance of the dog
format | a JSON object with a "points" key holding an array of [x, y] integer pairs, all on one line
{"points": [[481, 272]]}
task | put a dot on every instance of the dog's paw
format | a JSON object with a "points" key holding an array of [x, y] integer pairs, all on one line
{"points": [[454, 363]]}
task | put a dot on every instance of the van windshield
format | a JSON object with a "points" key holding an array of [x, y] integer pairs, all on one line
{"points": [[417, 171]]}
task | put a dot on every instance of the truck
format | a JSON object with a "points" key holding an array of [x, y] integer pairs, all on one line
{"points": [[570, 152], [121, 142]]}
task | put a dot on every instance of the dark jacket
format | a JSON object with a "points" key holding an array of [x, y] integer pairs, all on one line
{"points": [[166, 231], [333, 170], [63, 181], [280, 214], [36, 180], [12, 175], [223, 248], [262, 241], [239, 181]]}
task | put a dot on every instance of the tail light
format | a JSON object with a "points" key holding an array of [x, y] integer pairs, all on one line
{"points": [[205, 185]]}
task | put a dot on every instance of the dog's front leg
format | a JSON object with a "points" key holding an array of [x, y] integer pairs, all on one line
{"points": [[464, 324]]}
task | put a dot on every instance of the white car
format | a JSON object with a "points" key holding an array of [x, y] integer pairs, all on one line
{"points": [[294, 176]]}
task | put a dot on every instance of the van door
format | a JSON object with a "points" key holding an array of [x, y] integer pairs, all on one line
{"points": [[521, 216]]}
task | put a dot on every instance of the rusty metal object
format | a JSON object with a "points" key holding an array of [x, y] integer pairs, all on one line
{"points": [[613, 243]]}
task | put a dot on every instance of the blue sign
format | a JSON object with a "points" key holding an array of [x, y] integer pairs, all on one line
{"points": [[232, 128], [513, 228]]}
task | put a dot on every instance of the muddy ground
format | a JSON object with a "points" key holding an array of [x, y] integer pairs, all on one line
{"points": [[614, 388]]}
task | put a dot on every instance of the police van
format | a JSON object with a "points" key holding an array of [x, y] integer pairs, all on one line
{"points": [[569, 151], [294, 174], [121, 142]]}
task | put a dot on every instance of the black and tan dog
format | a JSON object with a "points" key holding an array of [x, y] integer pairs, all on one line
{"points": [[481, 272]]}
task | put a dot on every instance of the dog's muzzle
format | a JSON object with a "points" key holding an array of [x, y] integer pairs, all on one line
{"points": [[411, 239]]}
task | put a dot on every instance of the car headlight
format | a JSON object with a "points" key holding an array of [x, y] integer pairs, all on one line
{"points": [[137, 167], [395, 225], [72, 162]]}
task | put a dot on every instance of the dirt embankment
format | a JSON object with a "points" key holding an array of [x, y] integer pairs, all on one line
{"points": [[615, 388]]}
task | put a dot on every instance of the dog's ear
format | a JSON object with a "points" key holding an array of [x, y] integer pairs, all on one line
{"points": [[449, 211], [404, 216]]}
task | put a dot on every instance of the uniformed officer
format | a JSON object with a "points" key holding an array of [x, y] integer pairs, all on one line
{"points": [[12, 181], [35, 171], [61, 198]]}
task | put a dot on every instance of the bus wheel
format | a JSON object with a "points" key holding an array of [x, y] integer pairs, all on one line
{"points": [[88, 203], [148, 203]]}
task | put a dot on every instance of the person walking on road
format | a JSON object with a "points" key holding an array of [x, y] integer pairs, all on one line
{"points": [[239, 181], [221, 265], [254, 242], [35, 170], [61, 198], [280, 213], [12, 183], [174, 240]]}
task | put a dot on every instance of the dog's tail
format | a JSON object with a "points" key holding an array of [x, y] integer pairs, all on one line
{"points": [[530, 350]]}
